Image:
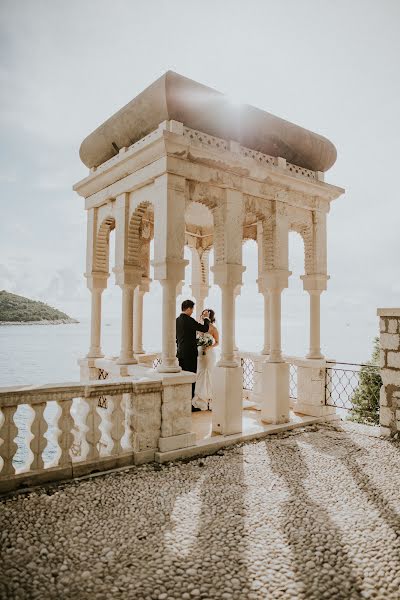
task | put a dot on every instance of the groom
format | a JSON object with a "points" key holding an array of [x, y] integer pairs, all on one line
{"points": [[186, 328]]}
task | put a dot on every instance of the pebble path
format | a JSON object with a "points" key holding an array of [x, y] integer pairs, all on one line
{"points": [[309, 514]]}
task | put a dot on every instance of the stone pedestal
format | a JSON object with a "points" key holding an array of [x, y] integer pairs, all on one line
{"points": [[275, 400], [389, 413], [311, 388], [176, 414], [227, 404]]}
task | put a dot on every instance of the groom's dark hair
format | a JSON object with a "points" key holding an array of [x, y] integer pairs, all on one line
{"points": [[187, 304]]}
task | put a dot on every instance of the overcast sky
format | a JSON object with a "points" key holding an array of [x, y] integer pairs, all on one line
{"points": [[332, 67]]}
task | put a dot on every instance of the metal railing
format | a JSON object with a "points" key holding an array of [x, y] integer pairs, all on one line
{"points": [[353, 387], [157, 361], [293, 381], [248, 373]]}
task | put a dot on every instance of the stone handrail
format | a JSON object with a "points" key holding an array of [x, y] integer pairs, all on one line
{"points": [[78, 430]]}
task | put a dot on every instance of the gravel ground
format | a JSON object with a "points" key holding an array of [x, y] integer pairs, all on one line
{"points": [[310, 514]]}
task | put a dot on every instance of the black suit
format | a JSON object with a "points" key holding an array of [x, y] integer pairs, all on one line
{"points": [[186, 328]]}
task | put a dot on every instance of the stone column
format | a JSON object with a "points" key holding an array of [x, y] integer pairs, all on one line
{"points": [[262, 260], [315, 285], [169, 264], [199, 293], [315, 341], [200, 279], [227, 358], [275, 355], [228, 270], [236, 293], [275, 372], [139, 293], [267, 347], [97, 284], [128, 278], [274, 277], [389, 413], [128, 275], [169, 362], [126, 355]]}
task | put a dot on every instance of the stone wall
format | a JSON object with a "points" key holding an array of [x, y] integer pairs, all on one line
{"points": [[390, 371]]}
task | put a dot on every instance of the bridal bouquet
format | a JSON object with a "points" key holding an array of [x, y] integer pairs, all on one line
{"points": [[205, 340]]}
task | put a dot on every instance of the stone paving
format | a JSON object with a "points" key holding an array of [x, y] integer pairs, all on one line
{"points": [[308, 514]]}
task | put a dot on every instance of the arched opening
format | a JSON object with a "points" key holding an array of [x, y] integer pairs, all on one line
{"points": [[198, 244], [250, 303], [111, 297], [295, 311]]}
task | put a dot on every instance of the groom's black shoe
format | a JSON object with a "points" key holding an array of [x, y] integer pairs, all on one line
{"points": [[194, 409]]}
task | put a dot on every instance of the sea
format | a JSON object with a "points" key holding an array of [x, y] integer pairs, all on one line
{"points": [[39, 354]]}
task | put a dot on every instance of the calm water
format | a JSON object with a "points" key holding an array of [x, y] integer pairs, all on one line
{"points": [[35, 354]]}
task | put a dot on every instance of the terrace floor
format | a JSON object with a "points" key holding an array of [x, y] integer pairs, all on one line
{"points": [[308, 514], [252, 427]]}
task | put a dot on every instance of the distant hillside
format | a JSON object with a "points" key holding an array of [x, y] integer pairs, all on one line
{"points": [[17, 309]]}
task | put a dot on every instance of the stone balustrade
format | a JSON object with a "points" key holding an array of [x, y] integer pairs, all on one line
{"points": [[76, 428], [390, 371]]}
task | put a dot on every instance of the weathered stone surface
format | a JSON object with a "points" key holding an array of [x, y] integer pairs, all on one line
{"points": [[309, 515], [177, 98], [393, 360], [390, 377], [385, 416], [390, 341]]}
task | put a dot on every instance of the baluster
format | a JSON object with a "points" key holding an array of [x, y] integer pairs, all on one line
{"points": [[117, 428], [106, 442], [93, 433], [80, 447], [65, 425], [38, 443], [8, 447], [127, 437]]}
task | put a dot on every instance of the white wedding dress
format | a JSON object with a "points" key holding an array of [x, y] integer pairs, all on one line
{"points": [[203, 391]]}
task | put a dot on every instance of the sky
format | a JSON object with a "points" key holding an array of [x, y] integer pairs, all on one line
{"points": [[331, 67]]}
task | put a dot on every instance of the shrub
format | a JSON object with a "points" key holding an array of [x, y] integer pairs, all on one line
{"points": [[366, 397]]}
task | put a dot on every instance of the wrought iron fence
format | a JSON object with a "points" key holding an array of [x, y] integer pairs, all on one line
{"points": [[248, 373], [353, 387], [156, 362], [293, 382], [102, 402]]}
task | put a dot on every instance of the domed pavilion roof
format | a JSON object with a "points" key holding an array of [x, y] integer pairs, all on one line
{"points": [[174, 97]]}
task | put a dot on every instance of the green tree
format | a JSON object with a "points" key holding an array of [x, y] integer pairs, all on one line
{"points": [[366, 397]]}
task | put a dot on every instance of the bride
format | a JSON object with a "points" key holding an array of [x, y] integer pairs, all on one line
{"points": [[202, 398]]}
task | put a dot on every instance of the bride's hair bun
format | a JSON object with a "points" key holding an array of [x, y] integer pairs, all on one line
{"points": [[211, 314]]}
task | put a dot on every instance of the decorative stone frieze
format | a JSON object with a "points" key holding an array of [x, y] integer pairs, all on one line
{"points": [[389, 414]]}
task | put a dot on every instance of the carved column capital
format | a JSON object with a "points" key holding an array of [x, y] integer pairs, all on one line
{"points": [[97, 280], [275, 279], [315, 283], [127, 276]]}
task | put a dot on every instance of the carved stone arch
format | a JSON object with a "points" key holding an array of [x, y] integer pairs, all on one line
{"points": [[306, 233], [140, 233], [257, 210], [249, 233], [102, 256], [203, 193], [199, 225], [204, 262]]}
